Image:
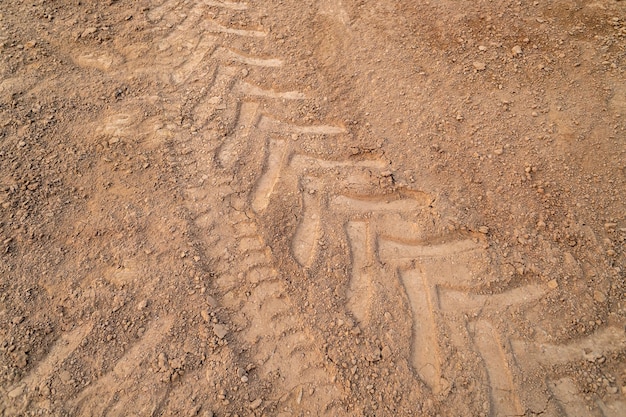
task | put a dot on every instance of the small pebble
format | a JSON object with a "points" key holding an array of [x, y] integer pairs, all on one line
{"points": [[479, 66]]}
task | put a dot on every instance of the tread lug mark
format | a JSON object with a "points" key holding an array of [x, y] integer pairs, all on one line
{"points": [[276, 126], [454, 301], [569, 398], [302, 162], [394, 250], [504, 400], [252, 90], [99, 398], [204, 48], [305, 240], [61, 349], [277, 151], [228, 152], [360, 289], [227, 54], [373, 203], [101, 60], [601, 343], [217, 28], [233, 5], [425, 353]]}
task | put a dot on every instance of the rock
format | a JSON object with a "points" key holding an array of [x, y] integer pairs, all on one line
{"points": [[516, 50], [142, 304], [220, 330], [299, 398], [256, 404], [479, 66], [20, 359], [553, 284], [88, 31], [16, 392], [386, 352], [205, 315], [30, 44], [162, 361], [482, 48], [65, 377], [599, 296], [211, 301], [483, 229]]}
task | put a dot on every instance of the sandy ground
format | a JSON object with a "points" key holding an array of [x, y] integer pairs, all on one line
{"points": [[297, 207]]}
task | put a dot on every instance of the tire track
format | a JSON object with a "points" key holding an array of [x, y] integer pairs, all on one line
{"points": [[285, 357], [192, 66]]}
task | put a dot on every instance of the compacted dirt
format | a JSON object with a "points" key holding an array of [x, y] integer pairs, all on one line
{"points": [[298, 207]]}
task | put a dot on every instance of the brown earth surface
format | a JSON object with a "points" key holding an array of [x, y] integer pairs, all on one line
{"points": [[298, 207]]}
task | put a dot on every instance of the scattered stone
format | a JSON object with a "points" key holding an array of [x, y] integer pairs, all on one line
{"points": [[483, 229], [553, 284], [482, 48], [21, 144], [30, 44], [479, 66], [499, 151], [516, 50]]}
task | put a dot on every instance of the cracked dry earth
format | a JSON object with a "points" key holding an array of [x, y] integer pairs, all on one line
{"points": [[298, 207]]}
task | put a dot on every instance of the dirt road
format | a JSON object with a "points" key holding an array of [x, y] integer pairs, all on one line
{"points": [[333, 207]]}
